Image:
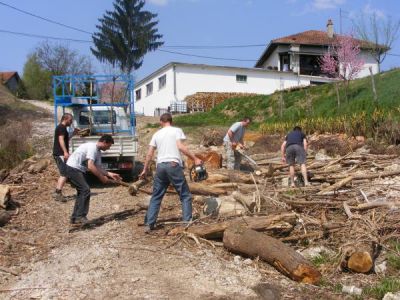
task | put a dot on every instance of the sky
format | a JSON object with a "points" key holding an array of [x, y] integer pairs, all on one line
{"points": [[187, 23]]}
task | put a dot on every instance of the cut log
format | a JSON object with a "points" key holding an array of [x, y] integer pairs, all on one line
{"points": [[202, 189], [359, 258], [214, 178], [216, 231], [246, 200], [4, 195], [225, 185], [5, 217], [223, 206], [248, 242]]}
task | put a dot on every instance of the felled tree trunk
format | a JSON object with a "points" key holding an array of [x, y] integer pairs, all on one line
{"points": [[286, 260], [275, 224], [202, 189], [360, 258], [247, 200], [39, 166]]}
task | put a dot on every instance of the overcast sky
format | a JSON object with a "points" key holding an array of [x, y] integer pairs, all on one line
{"points": [[187, 23]]}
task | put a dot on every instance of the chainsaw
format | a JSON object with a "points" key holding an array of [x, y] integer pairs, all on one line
{"points": [[198, 173], [248, 158]]}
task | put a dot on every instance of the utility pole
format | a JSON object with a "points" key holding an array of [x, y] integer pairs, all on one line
{"points": [[340, 20]]}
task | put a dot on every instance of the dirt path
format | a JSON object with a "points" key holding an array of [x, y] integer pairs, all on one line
{"points": [[114, 261]]}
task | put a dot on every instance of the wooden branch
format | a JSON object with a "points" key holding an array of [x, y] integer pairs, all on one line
{"points": [[336, 186], [216, 231]]}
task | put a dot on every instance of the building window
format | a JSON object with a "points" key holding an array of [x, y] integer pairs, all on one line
{"points": [[149, 89], [241, 78], [284, 62], [162, 81], [138, 94]]}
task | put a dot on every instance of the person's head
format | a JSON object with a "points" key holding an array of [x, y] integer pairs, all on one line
{"points": [[105, 142], [66, 119], [166, 119], [246, 121], [297, 128]]}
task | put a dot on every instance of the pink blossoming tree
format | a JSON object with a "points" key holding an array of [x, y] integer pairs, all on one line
{"points": [[342, 61]]}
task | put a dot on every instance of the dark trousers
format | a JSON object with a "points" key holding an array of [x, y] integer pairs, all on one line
{"points": [[81, 207]]}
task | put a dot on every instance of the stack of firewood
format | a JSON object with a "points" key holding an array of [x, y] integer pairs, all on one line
{"points": [[205, 101]]}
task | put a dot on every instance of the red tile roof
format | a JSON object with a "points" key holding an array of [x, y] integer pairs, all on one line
{"points": [[6, 76], [313, 37]]}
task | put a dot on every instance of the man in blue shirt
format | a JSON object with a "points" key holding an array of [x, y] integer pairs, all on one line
{"points": [[294, 149]]}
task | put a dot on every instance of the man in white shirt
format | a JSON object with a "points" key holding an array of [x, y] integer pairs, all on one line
{"points": [[169, 143], [233, 140], [87, 157]]}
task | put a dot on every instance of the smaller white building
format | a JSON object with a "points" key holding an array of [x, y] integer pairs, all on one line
{"points": [[174, 81]]}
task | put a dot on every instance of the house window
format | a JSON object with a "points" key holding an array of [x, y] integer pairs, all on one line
{"points": [[285, 62], [138, 94], [149, 89], [162, 81], [241, 78]]}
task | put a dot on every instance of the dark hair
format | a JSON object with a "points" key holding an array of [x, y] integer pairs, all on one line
{"points": [[246, 119], [106, 138], [297, 128], [166, 118], [66, 116]]}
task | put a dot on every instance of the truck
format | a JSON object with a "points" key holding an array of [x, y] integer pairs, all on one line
{"points": [[100, 104]]}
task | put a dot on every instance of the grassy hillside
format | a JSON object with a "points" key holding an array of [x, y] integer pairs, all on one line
{"points": [[309, 106]]}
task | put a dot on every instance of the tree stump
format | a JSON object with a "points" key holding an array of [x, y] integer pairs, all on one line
{"points": [[251, 243]]}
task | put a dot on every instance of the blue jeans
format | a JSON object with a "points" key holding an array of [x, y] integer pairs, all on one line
{"points": [[169, 173]]}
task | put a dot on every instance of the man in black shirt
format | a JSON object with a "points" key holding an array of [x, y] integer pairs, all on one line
{"points": [[61, 153], [295, 148]]}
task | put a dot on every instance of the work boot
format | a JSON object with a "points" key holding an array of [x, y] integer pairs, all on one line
{"points": [[58, 196], [148, 229], [79, 221]]}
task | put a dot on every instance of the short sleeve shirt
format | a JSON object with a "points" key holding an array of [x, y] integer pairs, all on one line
{"points": [[295, 137], [164, 141], [60, 130], [79, 159], [238, 133]]}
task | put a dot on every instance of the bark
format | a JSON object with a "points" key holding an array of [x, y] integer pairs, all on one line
{"points": [[336, 186], [273, 224], [39, 166], [202, 189], [286, 260]]}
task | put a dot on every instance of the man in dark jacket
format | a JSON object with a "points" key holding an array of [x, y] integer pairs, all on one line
{"points": [[61, 153], [294, 149]]}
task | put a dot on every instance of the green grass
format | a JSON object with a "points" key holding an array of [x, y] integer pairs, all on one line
{"points": [[385, 285], [394, 256], [309, 102], [321, 259]]}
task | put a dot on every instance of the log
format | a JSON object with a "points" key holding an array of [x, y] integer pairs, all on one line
{"points": [[4, 195], [202, 189], [212, 160], [225, 185], [223, 206], [5, 217], [214, 178], [246, 200], [216, 231], [359, 258], [248, 242]]}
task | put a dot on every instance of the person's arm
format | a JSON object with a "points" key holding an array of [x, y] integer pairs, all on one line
{"points": [[149, 157], [182, 147], [283, 151], [63, 147], [97, 171]]}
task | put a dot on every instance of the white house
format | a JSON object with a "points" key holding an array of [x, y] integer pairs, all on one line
{"points": [[286, 62], [173, 82]]}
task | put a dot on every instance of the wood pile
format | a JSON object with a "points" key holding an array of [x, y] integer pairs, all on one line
{"points": [[205, 101], [352, 204]]}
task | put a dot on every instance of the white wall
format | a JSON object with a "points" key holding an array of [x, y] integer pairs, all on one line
{"points": [[159, 98], [369, 61], [191, 79]]}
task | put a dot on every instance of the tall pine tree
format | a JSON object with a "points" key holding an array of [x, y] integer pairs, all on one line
{"points": [[125, 35]]}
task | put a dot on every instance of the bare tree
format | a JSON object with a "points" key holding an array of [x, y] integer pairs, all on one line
{"points": [[378, 33], [60, 59]]}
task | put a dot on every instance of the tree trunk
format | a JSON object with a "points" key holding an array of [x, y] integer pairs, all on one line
{"points": [[247, 200], [286, 260], [360, 257], [275, 224], [373, 86], [202, 189]]}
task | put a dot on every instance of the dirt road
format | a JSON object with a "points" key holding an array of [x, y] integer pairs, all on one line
{"points": [[114, 261]]}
